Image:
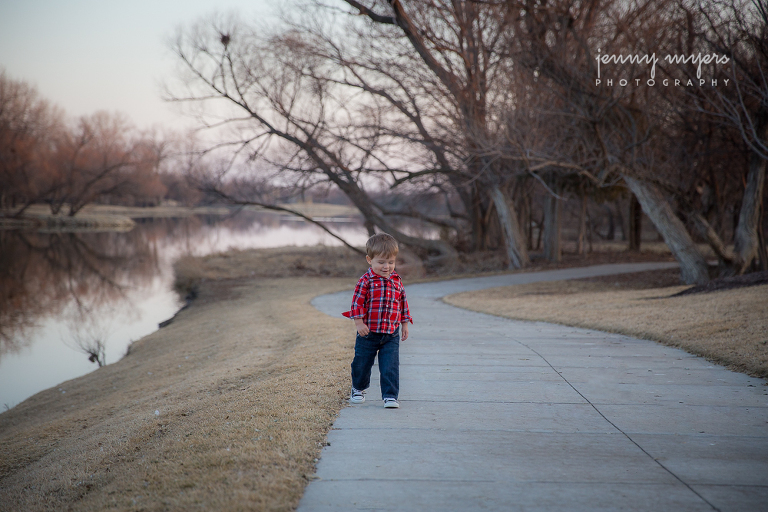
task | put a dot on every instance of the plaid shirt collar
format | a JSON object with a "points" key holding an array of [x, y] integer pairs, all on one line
{"points": [[392, 277]]}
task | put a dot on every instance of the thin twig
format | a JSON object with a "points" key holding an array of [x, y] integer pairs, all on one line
{"points": [[286, 210]]}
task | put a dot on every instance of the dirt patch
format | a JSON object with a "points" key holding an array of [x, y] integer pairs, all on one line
{"points": [[729, 327], [225, 409]]}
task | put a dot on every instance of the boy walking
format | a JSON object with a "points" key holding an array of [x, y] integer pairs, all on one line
{"points": [[381, 315]]}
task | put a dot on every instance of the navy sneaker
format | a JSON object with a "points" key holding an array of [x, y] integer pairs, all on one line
{"points": [[391, 403], [357, 396]]}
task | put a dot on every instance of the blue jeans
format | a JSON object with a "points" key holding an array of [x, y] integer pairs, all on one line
{"points": [[388, 348]]}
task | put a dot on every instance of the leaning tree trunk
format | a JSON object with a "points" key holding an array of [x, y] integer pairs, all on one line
{"points": [[762, 253], [514, 241], [552, 247], [693, 266], [746, 239]]}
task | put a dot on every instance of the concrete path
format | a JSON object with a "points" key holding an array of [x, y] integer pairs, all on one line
{"points": [[503, 415]]}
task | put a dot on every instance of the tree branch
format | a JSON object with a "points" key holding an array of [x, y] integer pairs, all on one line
{"points": [[365, 11], [276, 208]]}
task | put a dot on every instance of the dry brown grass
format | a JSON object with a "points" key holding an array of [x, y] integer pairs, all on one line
{"points": [[247, 382], [729, 327]]}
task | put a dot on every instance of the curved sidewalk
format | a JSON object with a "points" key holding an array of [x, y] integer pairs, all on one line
{"points": [[504, 415]]}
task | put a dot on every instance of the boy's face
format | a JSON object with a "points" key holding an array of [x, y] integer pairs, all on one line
{"points": [[381, 264]]}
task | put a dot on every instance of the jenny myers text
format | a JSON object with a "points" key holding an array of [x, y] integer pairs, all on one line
{"points": [[651, 60]]}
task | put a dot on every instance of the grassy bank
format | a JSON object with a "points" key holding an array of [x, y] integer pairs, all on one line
{"points": [[729, 327], [224, 409]]}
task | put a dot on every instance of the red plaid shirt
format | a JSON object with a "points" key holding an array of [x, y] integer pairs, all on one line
{"points": [[380, 302]]}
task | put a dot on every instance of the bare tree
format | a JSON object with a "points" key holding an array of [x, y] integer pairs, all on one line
{"points": [[618, 126], [101, 156], [462, 45], [287, 115], [738, 29], [28, 127], [43, 159], [92, 344]]}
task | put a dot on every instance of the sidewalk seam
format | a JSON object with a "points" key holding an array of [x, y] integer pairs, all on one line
{"points": [[598, 411]]}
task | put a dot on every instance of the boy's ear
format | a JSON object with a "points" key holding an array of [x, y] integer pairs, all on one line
{"points": [[368, 259]]}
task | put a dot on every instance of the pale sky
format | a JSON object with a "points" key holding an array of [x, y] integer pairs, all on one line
{"points": [[89, 55]]}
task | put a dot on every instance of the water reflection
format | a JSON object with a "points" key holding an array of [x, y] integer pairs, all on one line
{"points": [[70, 301], [43, 273]]}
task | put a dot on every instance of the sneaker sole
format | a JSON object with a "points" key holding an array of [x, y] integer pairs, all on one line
{"points": [[394, 405]]}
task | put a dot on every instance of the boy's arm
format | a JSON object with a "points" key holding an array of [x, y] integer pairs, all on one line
{"points": [[405, 313], [405, 317], [357, 311]]}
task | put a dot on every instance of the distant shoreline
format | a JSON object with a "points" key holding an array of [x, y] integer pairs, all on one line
{"points": [[121, 218]]}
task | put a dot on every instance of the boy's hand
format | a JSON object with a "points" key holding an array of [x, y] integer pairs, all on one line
{"points": [[362, 329], [404, 331]]}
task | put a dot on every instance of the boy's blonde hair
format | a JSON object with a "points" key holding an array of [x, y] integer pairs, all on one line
{"points": [[383, 244]]}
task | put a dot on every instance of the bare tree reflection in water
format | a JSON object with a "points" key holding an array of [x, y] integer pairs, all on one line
{"points": [[19, 302], [86, 283], [91, 339], [70, 275], [82, 277]]}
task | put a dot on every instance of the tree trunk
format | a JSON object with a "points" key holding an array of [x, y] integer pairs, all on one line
{"points": [[24, 207], [523, 213], [622, 223], [746, 241], [514, 242], [369, 226], [479, 223], [611, 234], [529, 220], [693, 266], [552, 249], [762, 253], [582, 236], [539, 231], [635, 224], [706, 231], [487, 226]]}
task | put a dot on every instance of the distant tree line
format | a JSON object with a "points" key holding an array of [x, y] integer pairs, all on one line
{"points": [[67, 164], [102, 158], [494, 109]]}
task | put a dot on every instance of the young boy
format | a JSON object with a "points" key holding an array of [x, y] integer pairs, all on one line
{"points": [[381, 316]]}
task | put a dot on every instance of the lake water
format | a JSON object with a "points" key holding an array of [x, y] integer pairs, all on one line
{"points": [[61, 291]]}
